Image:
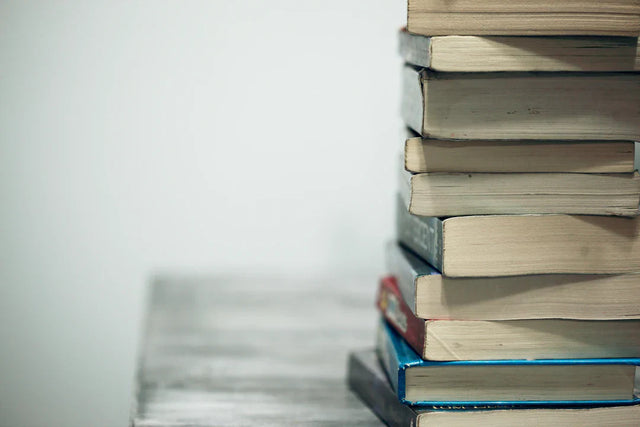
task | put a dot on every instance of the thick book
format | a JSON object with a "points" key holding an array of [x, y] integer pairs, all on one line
{"points": [[426, 155], [443, 340], [367, 380], [522, 105], [430, 295], [513, 245], [445, 194], [556, 382], [522, 17], [506, 53]]}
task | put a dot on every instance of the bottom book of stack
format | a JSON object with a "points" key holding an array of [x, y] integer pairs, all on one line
{"points": [[368, 380]]}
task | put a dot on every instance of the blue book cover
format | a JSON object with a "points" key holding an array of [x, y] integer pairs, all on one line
{"points": [[398, 358]]}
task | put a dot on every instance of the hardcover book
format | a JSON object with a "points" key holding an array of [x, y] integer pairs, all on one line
{"points": [[369, 383], [512, 245], [521, 17], [506, 53], [553, 382], [522, 105], [430, 295], [507, 339]]}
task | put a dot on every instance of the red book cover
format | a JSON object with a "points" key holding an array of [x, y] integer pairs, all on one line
{"points": [[399, 315]]}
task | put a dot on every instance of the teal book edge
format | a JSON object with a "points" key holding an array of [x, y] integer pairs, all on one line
{"points": [[396, 356]]}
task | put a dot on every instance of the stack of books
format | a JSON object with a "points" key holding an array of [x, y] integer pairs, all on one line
{"points": [[513, 295]]}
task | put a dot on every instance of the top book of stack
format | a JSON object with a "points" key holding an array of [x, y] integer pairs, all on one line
{"points": [[524, 17]]}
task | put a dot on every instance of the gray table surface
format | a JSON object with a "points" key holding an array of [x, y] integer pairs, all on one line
{"points": [[236, 352]]}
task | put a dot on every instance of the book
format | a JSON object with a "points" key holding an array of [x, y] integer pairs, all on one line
{"points": [[521, 17], [430, 295], [522, 105], [513, 245], [576, 382], [422, 155], [443, 340], [507, 53], [368, 381], [456, 193]]}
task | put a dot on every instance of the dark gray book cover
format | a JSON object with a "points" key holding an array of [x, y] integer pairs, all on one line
{"points": [[367, 380], [415, 49], [412, 106], [406, 267], [421, 234]]}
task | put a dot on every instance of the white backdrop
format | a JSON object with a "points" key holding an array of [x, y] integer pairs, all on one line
{"points": [[139, 137]]}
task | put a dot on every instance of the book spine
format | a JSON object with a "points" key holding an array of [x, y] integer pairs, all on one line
{"points": [[412, 107], [389, 360], [373, 389], [399, 315], [415, 50], [423, 235], [404, 275]]}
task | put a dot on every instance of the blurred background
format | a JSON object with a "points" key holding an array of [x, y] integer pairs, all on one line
{"points": [[204, 137]]}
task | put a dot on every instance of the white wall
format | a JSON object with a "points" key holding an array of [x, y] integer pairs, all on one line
{"points": [[212, 136]]}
